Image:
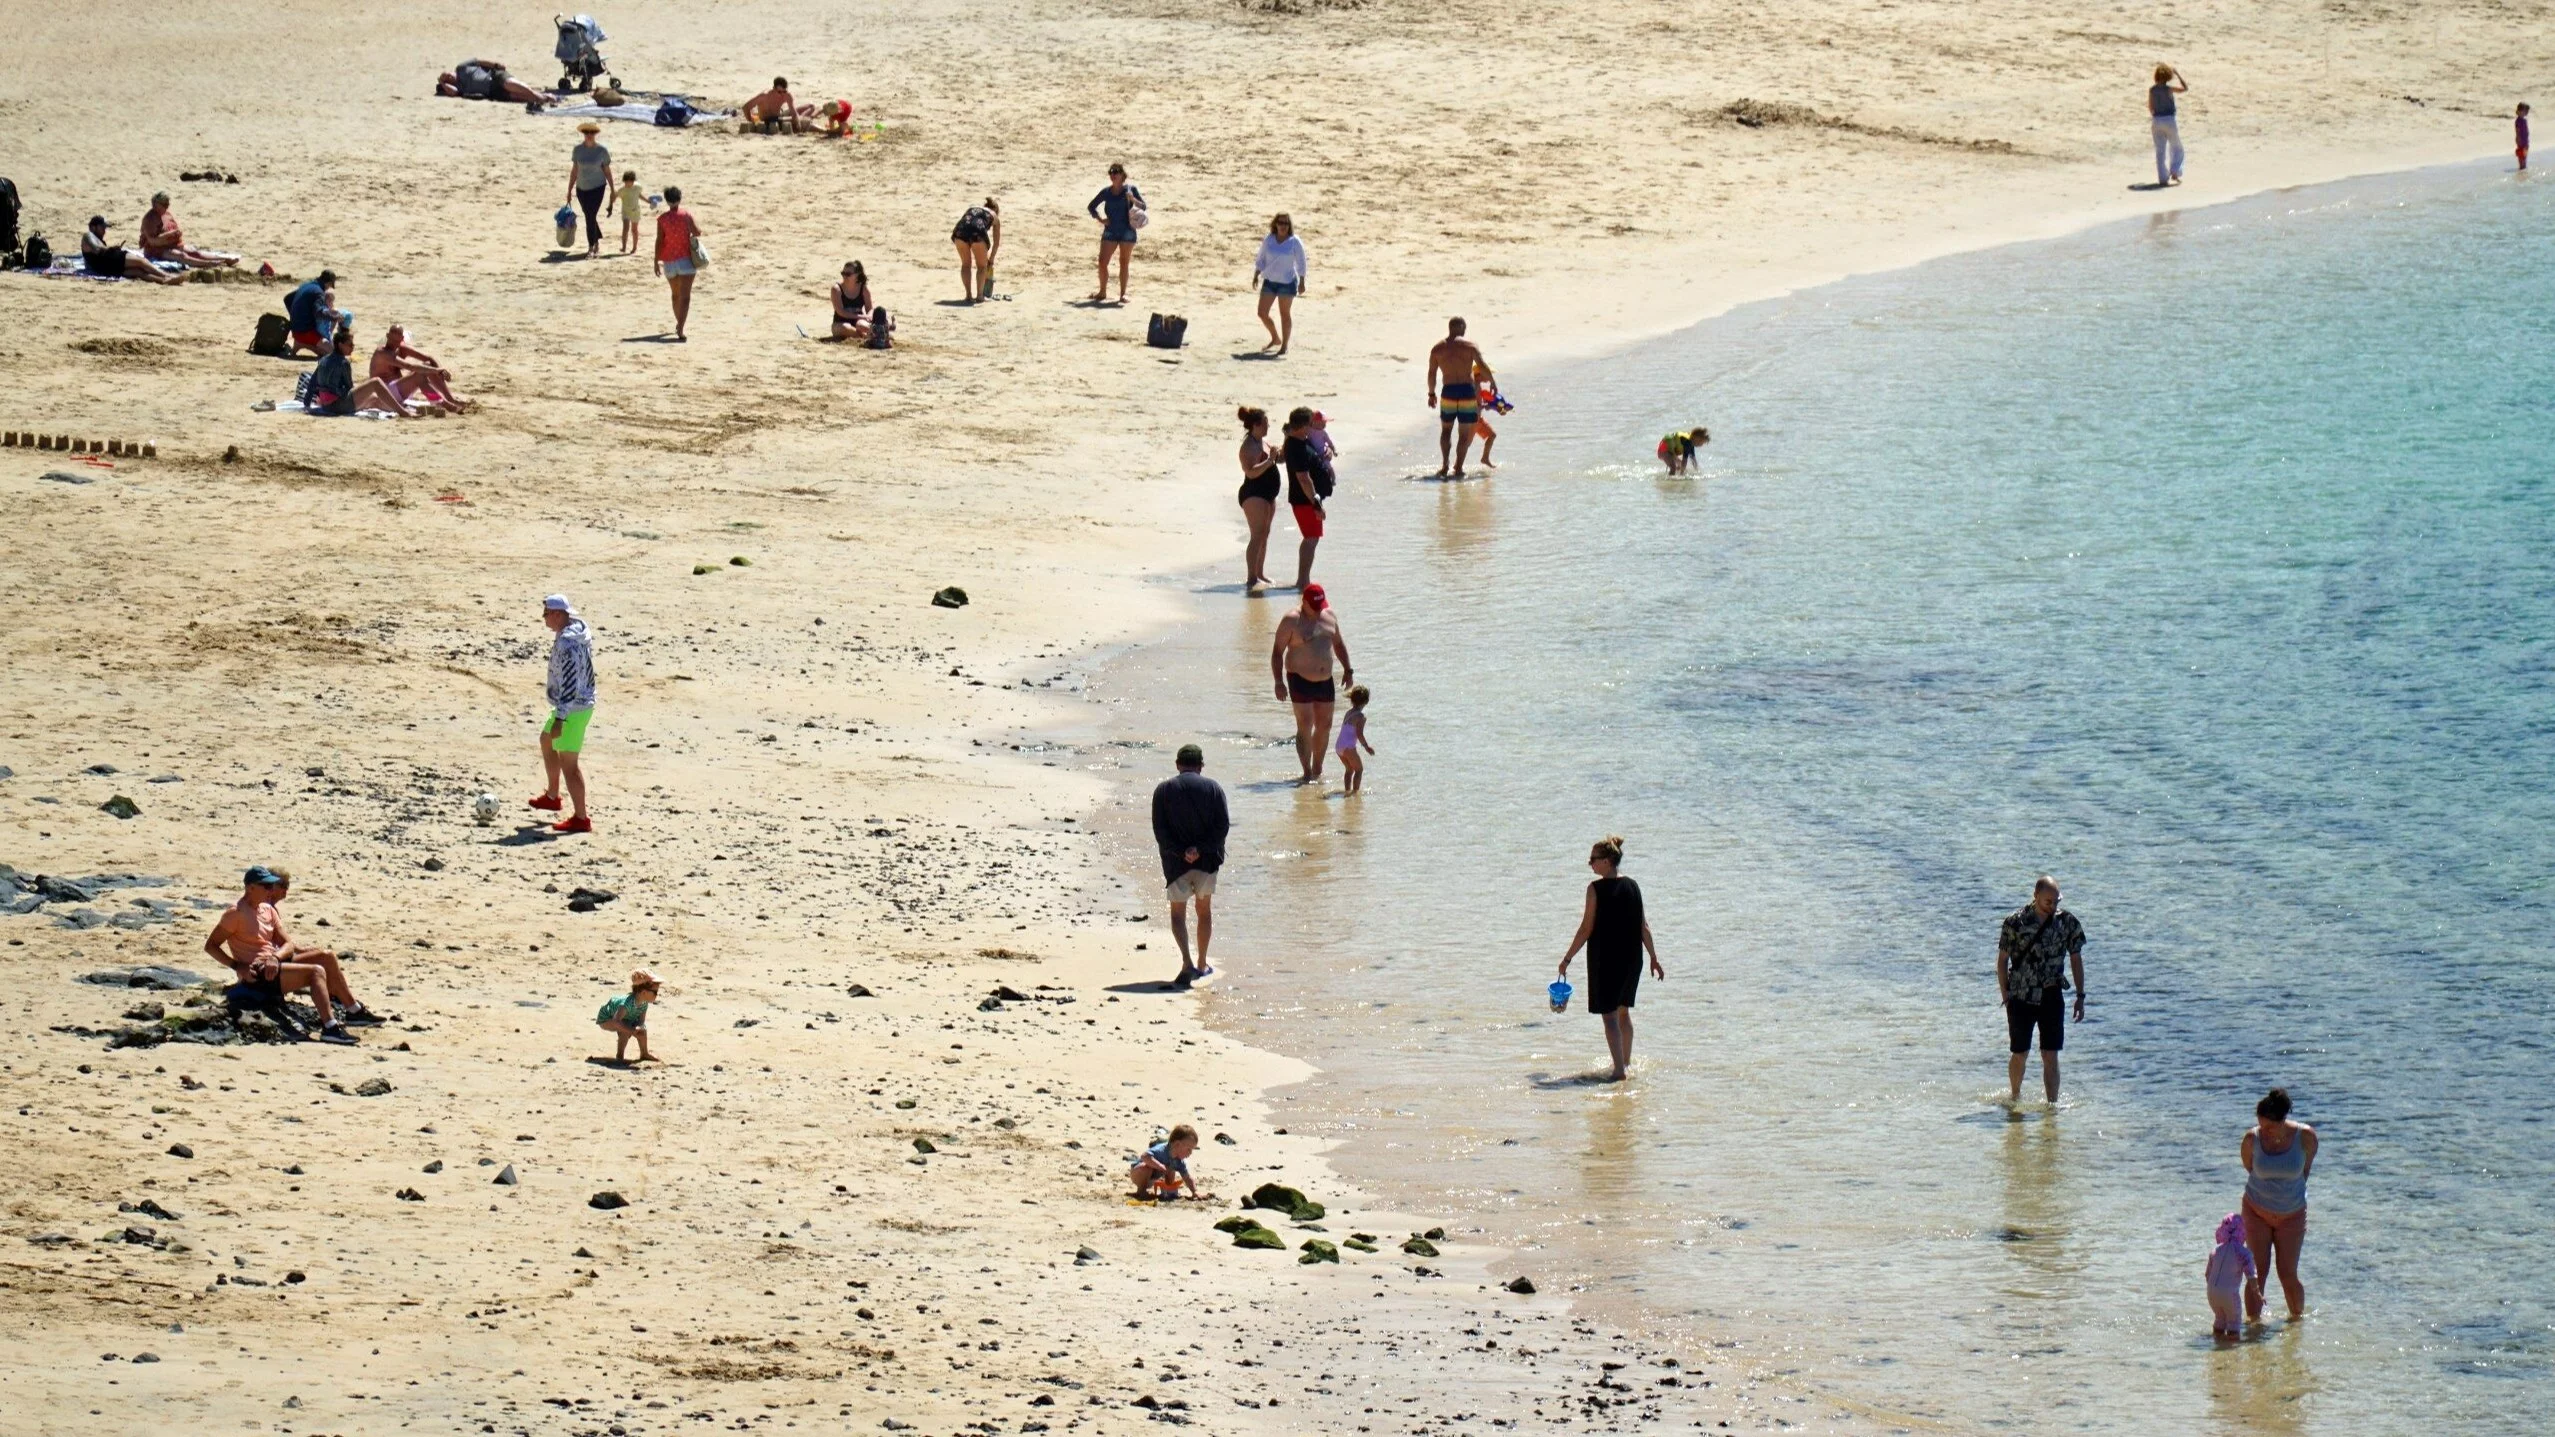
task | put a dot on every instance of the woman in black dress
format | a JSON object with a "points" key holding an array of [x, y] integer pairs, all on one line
{"points": [[1616, 935]]}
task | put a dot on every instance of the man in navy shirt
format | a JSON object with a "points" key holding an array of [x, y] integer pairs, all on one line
{"points": [[312, 308], [1189, 825]]}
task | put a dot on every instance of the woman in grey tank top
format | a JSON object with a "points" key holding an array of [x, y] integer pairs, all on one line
{"points": [[2277, 1154]]}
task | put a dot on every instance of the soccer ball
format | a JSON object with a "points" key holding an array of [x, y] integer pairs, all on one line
{"points": [[484, 808]]}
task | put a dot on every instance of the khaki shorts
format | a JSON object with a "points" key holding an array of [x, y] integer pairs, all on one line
{"points": [[1196, 883]]}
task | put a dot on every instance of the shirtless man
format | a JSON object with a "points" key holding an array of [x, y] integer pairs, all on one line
{"points": [[413, 375], [1458, 401], [162, 240], [250, 940], [1301, 664], [775, 108]]}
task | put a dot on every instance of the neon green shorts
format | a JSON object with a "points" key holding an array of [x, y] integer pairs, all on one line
{"points": [[567, 732]]}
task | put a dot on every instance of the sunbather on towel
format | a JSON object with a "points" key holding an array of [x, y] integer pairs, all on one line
{"points": [[413, 375], [499, 85], [162, 240], [334, 389], [114, 261]]}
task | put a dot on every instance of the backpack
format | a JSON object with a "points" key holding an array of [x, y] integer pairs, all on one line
{"points": [[673, 112], [1325, 479], [882, 325], [39, 253], [272, 329], [476, 81], [1166, 331]]}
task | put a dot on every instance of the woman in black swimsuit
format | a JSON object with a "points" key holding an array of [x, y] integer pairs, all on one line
{"points": [[1259, 494], [1616, 933], [852, 303], [979, 239]]}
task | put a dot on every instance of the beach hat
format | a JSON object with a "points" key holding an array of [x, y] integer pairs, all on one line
{"points": [[589, 127], [557, 604], [261, 876], [642, 978]]}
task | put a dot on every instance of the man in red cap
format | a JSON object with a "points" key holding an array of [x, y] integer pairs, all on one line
{"points": [[1301, 664]]}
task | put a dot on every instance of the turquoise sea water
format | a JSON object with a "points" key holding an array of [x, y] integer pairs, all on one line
{"points": [[2207, 562]]}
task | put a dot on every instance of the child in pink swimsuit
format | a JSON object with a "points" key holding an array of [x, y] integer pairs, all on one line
{"points": [[2230, 1265]]}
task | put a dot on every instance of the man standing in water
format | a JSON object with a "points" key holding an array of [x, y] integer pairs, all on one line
{"points": [[1458, 400], [1300, 662], [1189, 825], [571, 694], [2040, 943]]}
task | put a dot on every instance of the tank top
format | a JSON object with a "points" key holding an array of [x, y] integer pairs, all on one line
{"points": [[2279, 1182], [2160, 101], [1616, 935]]}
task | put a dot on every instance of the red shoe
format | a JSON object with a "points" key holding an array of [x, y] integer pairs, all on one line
{"points": [[545, 802], [573, 825]]}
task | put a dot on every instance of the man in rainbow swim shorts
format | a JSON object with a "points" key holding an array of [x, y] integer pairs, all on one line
{"points": [[1457, 399], [571, 695]]}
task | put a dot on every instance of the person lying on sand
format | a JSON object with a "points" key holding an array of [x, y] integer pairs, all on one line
{"points": [[498, 85], [249, 939], [1164, 1167], [413, 375], [162, 240], [114, 261], [627, 1017], [776, 108], [335, 391]]}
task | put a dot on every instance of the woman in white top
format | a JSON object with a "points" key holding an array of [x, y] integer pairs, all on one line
{"points": [[1280, 271]]}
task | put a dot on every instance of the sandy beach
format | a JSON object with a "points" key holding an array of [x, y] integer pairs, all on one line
{"points": [[901, 1206]]}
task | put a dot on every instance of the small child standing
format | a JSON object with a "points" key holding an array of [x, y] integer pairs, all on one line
{"points": [[2230, 1266], [2519, 133], [1352, 738], [627, 1017], [1165, 1166], [631, 200]]}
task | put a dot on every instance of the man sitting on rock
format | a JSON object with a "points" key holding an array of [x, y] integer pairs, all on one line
{"points": [[250, 940]]}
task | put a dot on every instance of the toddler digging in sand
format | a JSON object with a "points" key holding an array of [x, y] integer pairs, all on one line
{"points": [[626, 1017], [1164, 1167]]}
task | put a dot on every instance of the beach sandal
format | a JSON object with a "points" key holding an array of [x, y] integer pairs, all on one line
{"points": [[546, 803], [336, 1033], [573, 825]]}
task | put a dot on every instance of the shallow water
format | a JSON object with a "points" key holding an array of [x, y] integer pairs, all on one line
{"points": [[2207, 562]]}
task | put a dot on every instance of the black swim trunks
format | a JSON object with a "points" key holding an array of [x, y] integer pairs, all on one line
{"points": [[2049, 1015], [1311, 691]]}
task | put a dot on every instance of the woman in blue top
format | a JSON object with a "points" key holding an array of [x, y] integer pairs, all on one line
{"points": [[1124, 206], [2160, 119], [2277, 1154]]}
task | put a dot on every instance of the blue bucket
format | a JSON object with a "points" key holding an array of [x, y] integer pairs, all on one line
{"points": [[1560, 994]]}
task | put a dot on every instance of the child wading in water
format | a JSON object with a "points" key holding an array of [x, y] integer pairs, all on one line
{"points": [[1352, 738], [1165, 1165], [2230, 1267], [627, 1017], [630, 199], [2519, 134], [1678, 450]]}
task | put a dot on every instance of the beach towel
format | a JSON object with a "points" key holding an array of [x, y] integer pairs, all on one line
{"points": [[636, 108], [70, 266], [295, 406]]}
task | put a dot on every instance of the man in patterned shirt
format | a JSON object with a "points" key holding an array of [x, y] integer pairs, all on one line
{"points": [[571, 694], [2040, 944]]}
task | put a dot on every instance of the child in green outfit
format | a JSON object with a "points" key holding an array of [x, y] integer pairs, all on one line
{"points": [[627, 1017]]}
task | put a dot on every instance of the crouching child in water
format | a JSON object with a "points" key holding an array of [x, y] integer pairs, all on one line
{"points": [[1165, 1166], [626, 1017], [2230, 1266]]}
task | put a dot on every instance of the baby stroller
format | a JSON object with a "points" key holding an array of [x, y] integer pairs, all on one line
{"points": [[580, 62]]}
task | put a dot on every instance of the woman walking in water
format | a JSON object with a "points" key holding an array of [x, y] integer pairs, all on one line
{"points": [[2277, 1154], [1259, 496], [2160, 118], [1616, 934]]}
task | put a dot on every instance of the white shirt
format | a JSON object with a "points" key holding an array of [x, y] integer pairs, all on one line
{"points": [[1281, 260]]}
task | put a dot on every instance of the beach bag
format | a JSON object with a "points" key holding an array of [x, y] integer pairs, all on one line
{"points": [[1166, 331], [700, 255], [272, 330], [475, 81], [303, 386], [566, 220], [39, 253], [1136, 213], [882, 328], [673, 113]]}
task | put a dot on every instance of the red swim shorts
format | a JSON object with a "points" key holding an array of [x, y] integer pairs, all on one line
{"points": [[1308, 519]]}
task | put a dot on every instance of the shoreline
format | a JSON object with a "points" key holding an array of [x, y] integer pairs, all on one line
{"points": [[1202, 599]]}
